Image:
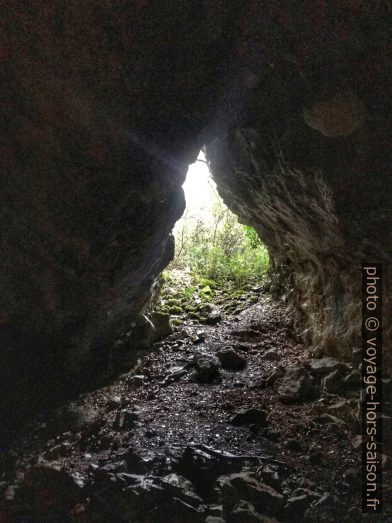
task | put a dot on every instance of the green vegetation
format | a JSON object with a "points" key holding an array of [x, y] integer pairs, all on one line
{"points": [[218, 268], [220, 250], [203, 301]]}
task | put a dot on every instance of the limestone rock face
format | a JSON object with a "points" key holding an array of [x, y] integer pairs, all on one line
{"points": [[101, 115], [305, 161], [104, 106]]}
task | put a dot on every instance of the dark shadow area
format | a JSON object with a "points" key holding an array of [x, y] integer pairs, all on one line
{"points": [[217, 391]]}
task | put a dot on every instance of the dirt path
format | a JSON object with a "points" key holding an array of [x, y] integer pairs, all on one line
{"points": [[187, 438]]}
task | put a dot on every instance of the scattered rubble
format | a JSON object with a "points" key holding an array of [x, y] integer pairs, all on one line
{"points": [[160, 446]]}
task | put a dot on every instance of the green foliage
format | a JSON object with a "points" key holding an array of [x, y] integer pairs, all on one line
{"points": [[220, 250], [253, 237]]}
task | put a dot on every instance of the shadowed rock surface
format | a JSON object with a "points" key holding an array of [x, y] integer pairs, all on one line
{"points": [[183, 450], [105, 106]]}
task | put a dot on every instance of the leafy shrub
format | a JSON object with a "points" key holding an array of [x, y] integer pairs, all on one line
{"points": [[221, 249], [253, 237]]}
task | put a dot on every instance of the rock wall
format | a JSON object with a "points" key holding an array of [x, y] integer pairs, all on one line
{"points": [[103, 108], [306, 158], [105, 104]]}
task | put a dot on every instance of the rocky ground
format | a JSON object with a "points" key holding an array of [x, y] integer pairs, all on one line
{"points": [[228, 419]]}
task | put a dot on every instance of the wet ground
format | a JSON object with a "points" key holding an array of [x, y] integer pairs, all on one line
{"points": [[175, 442]]}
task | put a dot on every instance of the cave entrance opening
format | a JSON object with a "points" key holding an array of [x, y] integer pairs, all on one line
{"points": [[215, 254]]}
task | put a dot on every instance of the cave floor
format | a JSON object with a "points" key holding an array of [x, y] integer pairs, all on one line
{"points": [[121, 453]]}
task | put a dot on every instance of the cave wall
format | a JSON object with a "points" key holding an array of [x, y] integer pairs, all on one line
{"points": [[106, 103], [307, 158]]}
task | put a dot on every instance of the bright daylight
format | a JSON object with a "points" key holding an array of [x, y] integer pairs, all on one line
{"points": [[215, 255]]}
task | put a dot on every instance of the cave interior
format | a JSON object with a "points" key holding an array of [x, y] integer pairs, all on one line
{"points": [[105, 107]]}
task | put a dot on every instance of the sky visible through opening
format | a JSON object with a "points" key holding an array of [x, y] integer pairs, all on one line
{"points": [[200, 193], [210, 242]]}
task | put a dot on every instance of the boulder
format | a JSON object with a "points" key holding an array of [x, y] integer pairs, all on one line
{"points": [[137, 380], [207, 367], [213, 318], [297, 386], [143, 333], [230, 359], [162, 325], [347, 410], [198, 337], [203, 466], [245, 487], [323, 366], [180, 487], [135, 497], [175, 310], [269, 378], [333, 382], [298, 504], [249, 416]]}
